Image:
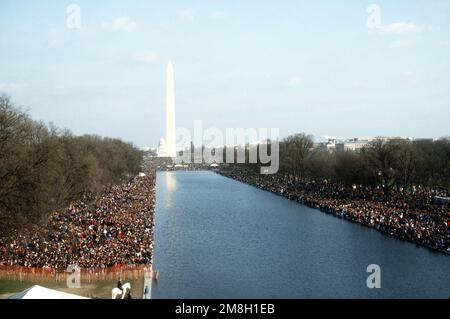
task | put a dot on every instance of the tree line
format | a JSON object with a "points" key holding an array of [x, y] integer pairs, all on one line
{"points": [[44, 168], [394, 163]]}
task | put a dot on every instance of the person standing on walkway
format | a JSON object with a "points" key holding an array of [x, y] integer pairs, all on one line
{"points": [[145, 292]]}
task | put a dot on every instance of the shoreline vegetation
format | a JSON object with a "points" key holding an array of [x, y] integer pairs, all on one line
{"points": [[410, 216], [70, 200], [44, 169]]}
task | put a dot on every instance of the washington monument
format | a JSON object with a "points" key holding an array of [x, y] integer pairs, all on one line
{"points": [[167, 148]]}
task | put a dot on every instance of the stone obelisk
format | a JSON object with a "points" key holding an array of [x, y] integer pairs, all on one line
{"points": [[170, 113]]}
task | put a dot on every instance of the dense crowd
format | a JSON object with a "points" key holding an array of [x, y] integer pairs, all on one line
{"points": [[411, 215], [112, 228]]}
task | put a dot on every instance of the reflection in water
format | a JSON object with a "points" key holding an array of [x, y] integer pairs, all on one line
{"points": [[171, 182], [170, 187], [218, 238]]}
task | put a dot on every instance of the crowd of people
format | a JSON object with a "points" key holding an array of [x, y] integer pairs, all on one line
{"points": [[110, 229], [412, 215]]}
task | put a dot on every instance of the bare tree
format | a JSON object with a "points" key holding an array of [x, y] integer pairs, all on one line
{"points": [[294, 153], [43, 168]]}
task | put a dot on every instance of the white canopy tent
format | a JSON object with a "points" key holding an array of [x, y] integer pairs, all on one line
{"points": [[38, 292]]}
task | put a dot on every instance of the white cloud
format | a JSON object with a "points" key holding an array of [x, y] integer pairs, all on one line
{"points": [[296, 81], [217, 14], [10, 88], [145, 56], [400, 28], [121, 24], [187, 14]]}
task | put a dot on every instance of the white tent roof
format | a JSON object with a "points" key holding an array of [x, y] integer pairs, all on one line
{"points": [[38, 292]]}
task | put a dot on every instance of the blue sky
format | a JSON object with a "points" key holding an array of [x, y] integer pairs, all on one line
{"points": [[301, 66]]}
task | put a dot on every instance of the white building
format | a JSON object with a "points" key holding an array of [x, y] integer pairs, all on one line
{"points": [[161, 149], [352, 145]]}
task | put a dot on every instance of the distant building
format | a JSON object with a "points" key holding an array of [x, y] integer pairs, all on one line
{"points": [[329, 145], [358, 143], [161, 150], [352, 145], [341, 145]]}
